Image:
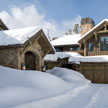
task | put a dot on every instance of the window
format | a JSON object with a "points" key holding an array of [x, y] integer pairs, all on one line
{"points": [[90, 47], [104, 43], [59, 49], [74, 48]]}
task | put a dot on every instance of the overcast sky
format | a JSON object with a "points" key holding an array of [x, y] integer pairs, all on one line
{"points": [[57, 16]]}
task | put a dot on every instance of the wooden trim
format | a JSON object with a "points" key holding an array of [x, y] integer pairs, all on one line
{"points": [[51, 50], [103, 31], [66, 45], [3, 25], [95, 34]]}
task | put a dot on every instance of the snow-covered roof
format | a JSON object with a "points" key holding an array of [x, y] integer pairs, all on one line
{"points": [[105, 20], [54, 57], [73, 56], [67, 40], [101, 58], [17, 36]]}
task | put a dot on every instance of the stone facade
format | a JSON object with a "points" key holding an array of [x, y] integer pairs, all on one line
{"points": [[15, 57], [36, 49], [86, 25], [29, 55], [9, 57]]}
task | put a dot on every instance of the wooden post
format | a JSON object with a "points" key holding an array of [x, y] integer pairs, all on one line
{"points": [[80, 46], [95, 34], [85, 48], [105, 27], [96, 47]]}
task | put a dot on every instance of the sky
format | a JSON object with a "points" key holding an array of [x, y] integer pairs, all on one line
{"points": [[55, 16]]}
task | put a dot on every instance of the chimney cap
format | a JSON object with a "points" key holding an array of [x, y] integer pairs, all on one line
{"points": [[87, 20]]}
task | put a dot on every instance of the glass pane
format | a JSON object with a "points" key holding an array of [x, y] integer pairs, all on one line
{"points": [[74, 48], [90, 47], [105, 38], [104, 43], [60, 49]]}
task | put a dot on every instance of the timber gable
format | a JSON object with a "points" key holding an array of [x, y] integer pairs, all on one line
{"points": [[94, 36]]}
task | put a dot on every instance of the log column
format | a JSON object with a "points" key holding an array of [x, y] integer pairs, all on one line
{"points": [[85, 48]]}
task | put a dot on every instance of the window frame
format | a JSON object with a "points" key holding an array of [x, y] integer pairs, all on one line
{"points": [[101, 43]]}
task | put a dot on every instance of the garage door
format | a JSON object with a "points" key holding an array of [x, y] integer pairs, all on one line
{"points": [[96, 72]]}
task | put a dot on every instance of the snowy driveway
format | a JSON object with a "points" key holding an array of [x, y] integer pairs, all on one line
{"points": [[86, 96], [83, 94]]}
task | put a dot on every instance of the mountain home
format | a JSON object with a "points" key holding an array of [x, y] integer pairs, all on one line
{"points": [[95, 41], [24, 48], [69, 45], [92, 44]]}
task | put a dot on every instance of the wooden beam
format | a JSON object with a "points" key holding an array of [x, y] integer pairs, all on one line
{"points": [[80, 45], [95, 34], [103, 31], [105, 27]]}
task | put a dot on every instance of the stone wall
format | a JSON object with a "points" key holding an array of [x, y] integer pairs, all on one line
{"points": [[9, 57], [36, 49], [85, 28], [14, 56]]}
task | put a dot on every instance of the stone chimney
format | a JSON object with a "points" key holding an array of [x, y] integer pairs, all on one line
{"points": [[86, 25]]}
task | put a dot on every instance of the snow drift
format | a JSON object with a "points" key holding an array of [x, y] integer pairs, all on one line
{"points": [[18, 87], [68, 75]]}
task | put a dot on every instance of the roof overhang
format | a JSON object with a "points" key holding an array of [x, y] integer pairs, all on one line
{"points": [[66, 45], [46, 41], [3, 25], [43, 41]]}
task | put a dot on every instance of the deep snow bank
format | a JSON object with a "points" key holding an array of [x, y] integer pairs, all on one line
{"points": [[19, 87], [68, 75]]}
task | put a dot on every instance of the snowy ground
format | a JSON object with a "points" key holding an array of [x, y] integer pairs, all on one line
{"points": [[57, 88]]}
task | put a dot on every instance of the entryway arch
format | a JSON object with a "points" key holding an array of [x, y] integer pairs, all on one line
{"points": [[31, 60]]}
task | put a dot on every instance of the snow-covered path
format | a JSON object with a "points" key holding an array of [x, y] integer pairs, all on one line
{"points": [[82, 97]]}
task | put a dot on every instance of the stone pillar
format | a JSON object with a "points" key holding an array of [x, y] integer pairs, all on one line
{"points": [[86, 25]]}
